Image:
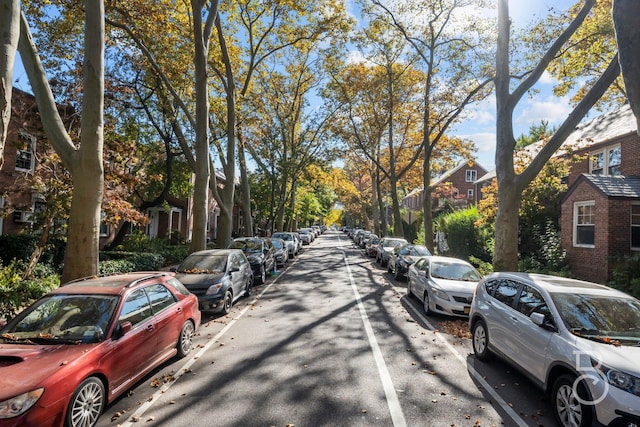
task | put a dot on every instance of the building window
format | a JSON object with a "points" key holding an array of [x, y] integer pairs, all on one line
{"points": [[584, 224], [470, 193], [471, 175], [635, 227], [606, 162], [25, 159]]}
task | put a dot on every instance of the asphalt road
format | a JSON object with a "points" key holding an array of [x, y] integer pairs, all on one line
{"points": [[332, 340]]}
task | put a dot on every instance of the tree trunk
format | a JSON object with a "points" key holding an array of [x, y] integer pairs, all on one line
{"points": [[246, 190], [9, 36], [202, 170], [427, 207], [626, 20]]}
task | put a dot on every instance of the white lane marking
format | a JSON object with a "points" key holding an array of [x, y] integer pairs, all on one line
{"points": [[397, 417], [135, 417], [496, 397]]}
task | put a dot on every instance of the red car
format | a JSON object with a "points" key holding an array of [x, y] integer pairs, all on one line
{"points": [[77, 348]]}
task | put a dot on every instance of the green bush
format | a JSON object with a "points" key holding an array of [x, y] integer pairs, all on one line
{"points": [[464, 238], [549, 258], [17, 247], [135, 261], [625, 274], [16, 293], [115, 266]]}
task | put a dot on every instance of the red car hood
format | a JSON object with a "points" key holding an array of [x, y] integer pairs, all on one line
{"points": [[26, 367]]}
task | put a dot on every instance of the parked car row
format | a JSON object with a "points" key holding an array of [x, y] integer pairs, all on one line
{"points": [[63, 355], [578, 341]]}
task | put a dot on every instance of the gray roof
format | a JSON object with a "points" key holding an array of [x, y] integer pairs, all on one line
{"points": [[616, 186]]}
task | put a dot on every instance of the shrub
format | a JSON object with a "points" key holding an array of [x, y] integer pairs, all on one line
{"points": [[132, 261], [625, 274], [115, 266], [464, 238], [16, 293], [17, 247]]}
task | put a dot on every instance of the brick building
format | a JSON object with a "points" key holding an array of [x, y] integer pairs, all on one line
{"points": [[600, 213], [457, 188]]}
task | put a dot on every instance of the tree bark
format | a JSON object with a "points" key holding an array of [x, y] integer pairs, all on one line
{"points": [[9, 36], [84, 162], [626, 21]]}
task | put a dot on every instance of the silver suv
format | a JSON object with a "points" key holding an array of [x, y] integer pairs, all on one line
{"points": [[579, 341]]}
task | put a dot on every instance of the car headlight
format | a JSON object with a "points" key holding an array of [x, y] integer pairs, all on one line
{"points": [[440, 294], [18, 405], [618, 379], [214, 289]]}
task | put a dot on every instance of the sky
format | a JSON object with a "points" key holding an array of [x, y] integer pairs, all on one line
{"points": [[481, 125]]}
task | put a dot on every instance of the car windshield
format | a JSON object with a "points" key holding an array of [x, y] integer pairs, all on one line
{"points": [[203, 264], [248, 246], [285, 237], [68, 319], [454, 271], [393, 243], [600, 317], [277, 244], [415, 251]]}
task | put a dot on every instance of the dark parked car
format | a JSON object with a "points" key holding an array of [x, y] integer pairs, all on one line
{"points": [[261, 255], [77, 348], [578, 341], [218, 277], [403, 256], [282, 252], [291, 240], [372, 247]]}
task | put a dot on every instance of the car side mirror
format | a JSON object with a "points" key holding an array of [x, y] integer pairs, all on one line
{"points": [[122, 329], [540, 320], [234, 269]]}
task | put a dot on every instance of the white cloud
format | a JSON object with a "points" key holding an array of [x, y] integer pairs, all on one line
{"points": [[552, 110], [486, 144], [547, 79]]}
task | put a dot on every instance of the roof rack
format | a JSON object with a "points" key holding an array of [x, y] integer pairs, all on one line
{"points": [[150, 275]]}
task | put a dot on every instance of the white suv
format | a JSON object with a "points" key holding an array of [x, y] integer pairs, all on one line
{"points": [[579, 341]]}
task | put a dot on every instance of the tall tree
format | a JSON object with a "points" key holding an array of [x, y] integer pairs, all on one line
{"points": [[9, 35], [510, 183], [453, 55], [84, 160]]}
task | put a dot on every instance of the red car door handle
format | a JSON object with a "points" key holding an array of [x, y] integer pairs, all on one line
{"points": [[150, 328]]}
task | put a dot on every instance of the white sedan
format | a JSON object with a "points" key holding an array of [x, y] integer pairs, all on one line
{"points": [[444, 285]]}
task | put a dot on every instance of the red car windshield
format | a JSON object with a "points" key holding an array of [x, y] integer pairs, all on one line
{"points": [[68, 318]]}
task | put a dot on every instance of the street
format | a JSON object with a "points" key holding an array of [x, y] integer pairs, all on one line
{"points": [[332, 340]]}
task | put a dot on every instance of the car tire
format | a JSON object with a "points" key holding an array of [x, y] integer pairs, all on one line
{"points": [[86, 404], [227, 301], [397, 274], [409, 292], [263, 276], [425, 303], [248, 287], [480, 341], [570, 402], [389, 269], [185, 340]]}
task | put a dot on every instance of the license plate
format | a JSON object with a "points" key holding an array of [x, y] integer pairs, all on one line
{"points": [[467, 310]]}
